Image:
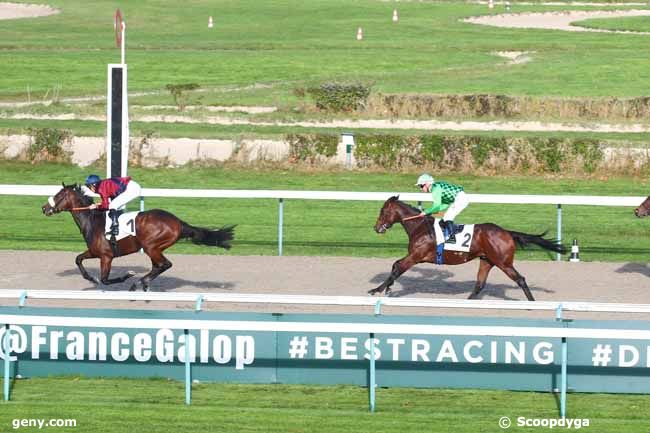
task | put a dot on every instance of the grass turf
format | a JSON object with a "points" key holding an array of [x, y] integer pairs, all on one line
{"points": [[156, 405], [430, 50], [332, 227]]}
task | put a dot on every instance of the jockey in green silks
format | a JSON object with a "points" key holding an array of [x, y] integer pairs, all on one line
{"points": [[448, 198]]}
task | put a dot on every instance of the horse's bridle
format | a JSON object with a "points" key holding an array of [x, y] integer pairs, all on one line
{"points": [[54, 205]]}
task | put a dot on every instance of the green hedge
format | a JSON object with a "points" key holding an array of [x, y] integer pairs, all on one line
{"points": [[476, 152], [311, 148], [340, 97], [465, 153], [508, 107]]}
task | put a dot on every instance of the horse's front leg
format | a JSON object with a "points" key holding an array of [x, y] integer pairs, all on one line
{"points": [[105, 265], [399, 267], [80, 258]]}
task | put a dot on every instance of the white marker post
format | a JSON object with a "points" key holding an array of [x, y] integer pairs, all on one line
{"points": [[117, 108]]}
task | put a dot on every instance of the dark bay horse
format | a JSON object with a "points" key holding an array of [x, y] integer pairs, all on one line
{"points": [[493, 245], [644, 208], [156, 230]]}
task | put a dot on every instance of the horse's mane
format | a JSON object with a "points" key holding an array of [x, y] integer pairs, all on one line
{"points": [[85, 200], [395, 199]]}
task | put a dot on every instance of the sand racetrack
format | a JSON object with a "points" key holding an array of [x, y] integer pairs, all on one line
{"points": [[549, 281]]}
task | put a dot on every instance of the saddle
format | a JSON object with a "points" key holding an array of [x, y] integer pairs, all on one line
{"points": [[430, 221]]}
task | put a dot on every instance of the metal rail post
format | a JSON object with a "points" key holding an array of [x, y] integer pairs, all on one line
{"points": [[7, 353], [188, 373], [563, 372], [371, 385], [564, 378], [280, 222], [141, 210], [559, 229], [373, 367], [22, 298]]}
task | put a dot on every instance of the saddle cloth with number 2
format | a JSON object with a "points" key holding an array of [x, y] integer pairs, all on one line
{"points": [[463, 238]]}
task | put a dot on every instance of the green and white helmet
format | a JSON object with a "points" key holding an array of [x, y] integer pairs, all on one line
{"points": [[424, 178]]}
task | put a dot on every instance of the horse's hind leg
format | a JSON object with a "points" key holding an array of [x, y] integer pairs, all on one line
{"points": [[483, 271], [105, 265], [519, 279], [159, 264], [80, 258]]}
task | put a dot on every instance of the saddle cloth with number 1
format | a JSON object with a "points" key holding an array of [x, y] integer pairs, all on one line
{"points": [[126, 223]]}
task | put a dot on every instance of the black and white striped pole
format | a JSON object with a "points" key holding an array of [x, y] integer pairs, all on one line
{"points": [[575, 252]]}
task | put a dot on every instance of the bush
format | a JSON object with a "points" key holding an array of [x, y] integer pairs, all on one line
{"points": [[177, 91], [433, 148], [311, 147], [47, 144], [382, 150], [550, 153], [340, 97], [590, 152]]}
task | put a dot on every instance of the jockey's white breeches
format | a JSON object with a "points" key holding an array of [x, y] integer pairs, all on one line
{"points": [[132, 191], [456, 207]]}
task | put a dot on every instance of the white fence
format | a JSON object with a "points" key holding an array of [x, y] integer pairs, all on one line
{"points": [[557, 200], [365, 327], [21, 296]]}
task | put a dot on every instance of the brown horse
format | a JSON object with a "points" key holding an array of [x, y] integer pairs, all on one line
{"points": [[644, 208], [490, 243], [156, 230]]}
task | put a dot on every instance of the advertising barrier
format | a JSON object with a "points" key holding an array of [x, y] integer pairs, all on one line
{"points": [[409, 351]]}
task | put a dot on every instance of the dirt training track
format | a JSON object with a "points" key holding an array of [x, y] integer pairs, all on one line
{"points": [[334, 276]]}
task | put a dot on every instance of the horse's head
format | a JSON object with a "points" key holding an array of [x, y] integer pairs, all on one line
{"points": [[644, 209], [70, 196], [388, 215]]}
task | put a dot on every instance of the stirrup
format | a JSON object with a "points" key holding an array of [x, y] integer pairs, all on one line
{"points": [[449, 226]]}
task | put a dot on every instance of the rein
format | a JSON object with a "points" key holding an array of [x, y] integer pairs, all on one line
{"points": [[411, 217]]}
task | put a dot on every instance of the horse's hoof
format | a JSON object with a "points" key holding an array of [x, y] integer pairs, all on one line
{"points": [[133, 287], [372, 292], [130, 274]]}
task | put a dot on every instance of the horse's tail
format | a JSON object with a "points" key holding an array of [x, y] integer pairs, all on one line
{"points": [[523, 239], [215, 238]]}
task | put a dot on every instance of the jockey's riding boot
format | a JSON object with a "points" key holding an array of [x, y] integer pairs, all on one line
{"points": [[115, 226], [450, 229]]}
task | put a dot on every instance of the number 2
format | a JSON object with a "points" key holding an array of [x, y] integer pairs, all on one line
{"points": [[467, 238]]}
